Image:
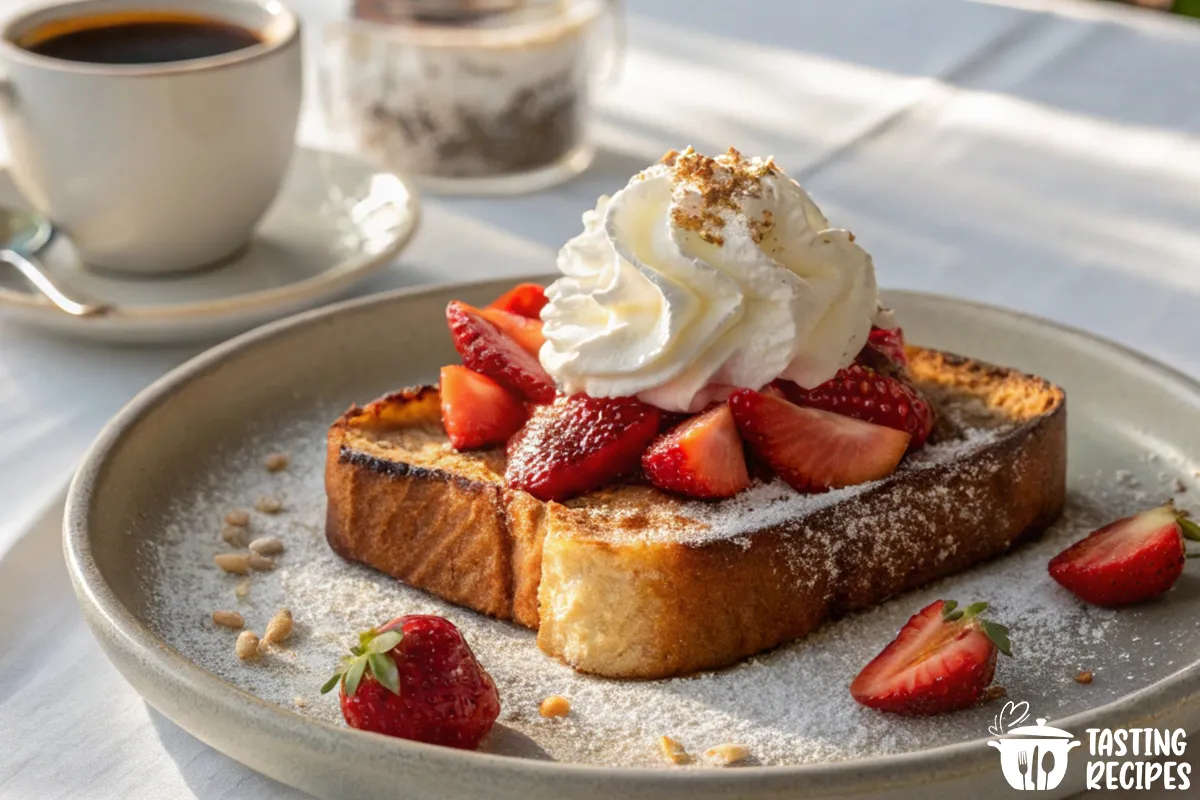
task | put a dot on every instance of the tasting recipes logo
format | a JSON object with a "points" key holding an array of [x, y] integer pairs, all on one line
{"points": [[1035, 757]]}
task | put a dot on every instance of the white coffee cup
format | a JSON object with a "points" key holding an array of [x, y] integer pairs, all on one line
{"points": [[161, 167]]}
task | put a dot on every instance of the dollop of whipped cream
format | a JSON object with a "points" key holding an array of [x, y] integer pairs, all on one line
{"points": [[701, 276]]}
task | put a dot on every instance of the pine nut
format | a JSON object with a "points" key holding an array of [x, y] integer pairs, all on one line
{"points": [[726, 754], [236, 563], [276, 462], [260, 563], [673, 751], [247, 645], [242, 590], [268, 504], [228, 619], [267, 546], [234, 536], [279, 628], [555, 706], [1084, 676], [237, 517]]}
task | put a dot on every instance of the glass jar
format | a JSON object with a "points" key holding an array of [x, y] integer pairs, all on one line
{"points": [[469, 96]]}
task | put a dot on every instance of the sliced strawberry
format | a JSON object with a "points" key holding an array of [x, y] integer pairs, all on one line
{"points": [[579, 444], [863, 393], [488, 350], [703, 457], [524, 300], [523, 330], [942, 660], [815, 450], [889, 342], [477, 411], [1130, 560]]}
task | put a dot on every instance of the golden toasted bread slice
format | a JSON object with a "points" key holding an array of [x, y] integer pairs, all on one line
{"points": [[629, 582]]}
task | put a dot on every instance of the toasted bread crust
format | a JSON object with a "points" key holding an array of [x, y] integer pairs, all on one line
{"points": [[647, 607]]}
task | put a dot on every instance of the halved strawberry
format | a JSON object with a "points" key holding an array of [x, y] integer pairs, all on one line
{"points": [[524, 300], [703, 457], [579, 444], [477, 411], [889, 342], [863, 393], [815, 450], [942, 660], [488, 350], [1127, 561], [524, 331]]}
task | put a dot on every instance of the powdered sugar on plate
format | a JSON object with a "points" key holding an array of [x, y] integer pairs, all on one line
{"points": [[789, 706]]}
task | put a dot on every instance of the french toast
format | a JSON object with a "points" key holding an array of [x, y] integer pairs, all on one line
{"points": [[631, 582]]}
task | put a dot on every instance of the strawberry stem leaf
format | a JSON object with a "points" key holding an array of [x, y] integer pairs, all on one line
{"points": [[354, 675], [975, 609], [948, 608], [1190, 529], [385, 642], [385, 671], [332, 682], [1192, 555], [998, 634]]}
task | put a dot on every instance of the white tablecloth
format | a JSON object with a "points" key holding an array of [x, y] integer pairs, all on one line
{"points": [[1039, 155]]}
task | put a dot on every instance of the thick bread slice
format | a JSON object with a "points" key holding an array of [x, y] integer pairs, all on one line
{"points": [[629, 582]]}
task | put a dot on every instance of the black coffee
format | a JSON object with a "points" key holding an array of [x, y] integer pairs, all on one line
{"points": [[136, 41]]}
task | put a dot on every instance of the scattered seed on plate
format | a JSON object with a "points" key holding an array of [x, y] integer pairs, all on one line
{"points": [[268, 504], [237, 517], [267, 546], [242, 590], [259, 563], [673, 751], [279, 628], [247, 645], [276, 462], [234, 536], [300, 702], [228, 619], [994, 693], [235, 563], [727, 754], [1180, 486], [1084, 676], [554, 706]]}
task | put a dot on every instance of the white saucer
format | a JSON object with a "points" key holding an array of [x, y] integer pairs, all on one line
{"points": [[336, 221]]}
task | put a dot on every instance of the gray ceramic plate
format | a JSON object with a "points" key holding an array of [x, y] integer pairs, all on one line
{"points": [[144, 513]]}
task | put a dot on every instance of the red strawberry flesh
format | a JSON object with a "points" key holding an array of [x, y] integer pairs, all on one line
{"points": [[933, 666], [488, 350], [1127, 561], [523, 330], [524, 299], [579, 444], [814, 450], [477, 411], [863, 393], [702, 457], [445, 696]]}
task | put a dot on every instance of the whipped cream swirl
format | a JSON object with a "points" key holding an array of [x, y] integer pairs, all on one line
{"points": [[701, 276]]}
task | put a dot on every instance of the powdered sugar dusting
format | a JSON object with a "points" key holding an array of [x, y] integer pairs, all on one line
{"points": [[789, 706]]}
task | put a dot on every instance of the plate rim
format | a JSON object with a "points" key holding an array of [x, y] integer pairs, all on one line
{"points": [[112, 623], [290, 295]]}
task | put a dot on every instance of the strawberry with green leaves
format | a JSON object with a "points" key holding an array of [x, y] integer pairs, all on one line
{"points": [[1128, 561], [943, 659], [416, 678]]}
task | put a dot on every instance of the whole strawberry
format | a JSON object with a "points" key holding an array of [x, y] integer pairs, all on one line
{"points": [[416, 678]]}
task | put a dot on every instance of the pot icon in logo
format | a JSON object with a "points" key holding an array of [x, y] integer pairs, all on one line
{"points": [[1034, 757]]}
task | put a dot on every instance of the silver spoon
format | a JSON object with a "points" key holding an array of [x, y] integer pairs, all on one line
{"points": [[23, 234]]}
